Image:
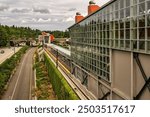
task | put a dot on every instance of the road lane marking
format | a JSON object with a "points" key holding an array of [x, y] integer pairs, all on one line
{"points": [[31, 77], [18, 77]]}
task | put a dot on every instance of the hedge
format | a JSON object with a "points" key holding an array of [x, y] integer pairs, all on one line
{"points": [[61, 87], [8, 66]]}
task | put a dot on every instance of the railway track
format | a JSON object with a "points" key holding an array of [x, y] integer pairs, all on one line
{"points": [[71, 80]]}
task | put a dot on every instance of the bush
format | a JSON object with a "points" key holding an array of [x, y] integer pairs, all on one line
{"points": [[60, 85]]}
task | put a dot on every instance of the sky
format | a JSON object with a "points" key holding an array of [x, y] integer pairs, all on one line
{"points": [[43, 14]]}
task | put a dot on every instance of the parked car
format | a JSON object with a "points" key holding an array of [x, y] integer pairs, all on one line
{"points": [[2, 51]]}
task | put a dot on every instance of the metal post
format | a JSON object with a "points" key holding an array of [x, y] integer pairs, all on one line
{"points": [[56, 58]]}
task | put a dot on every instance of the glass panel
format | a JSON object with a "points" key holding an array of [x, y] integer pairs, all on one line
{"points": [[135, 11], [121, 24], [116, 34], [116, 43], [127, 12], [148, 6], [141, 8], [121, 34], [116, 5], [127, 43], [122, 13], [134, 1], [141, 33], [127, 3], [148, 20], [127, 34], [121, 4], [121, 43], [112, 43], [134, 44], [116, 25], [148, 45], [142, 45], [134, 33], [141, 0], [128, 24], [141, 21], [148, 33], [116, 15], [134, 20]]}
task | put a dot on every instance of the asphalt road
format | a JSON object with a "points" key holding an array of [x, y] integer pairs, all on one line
{"points": [[20, 85]]}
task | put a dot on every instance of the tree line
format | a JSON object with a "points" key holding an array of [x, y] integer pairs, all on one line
{"points": [[59, 34], [8, 33], [14, 33]]}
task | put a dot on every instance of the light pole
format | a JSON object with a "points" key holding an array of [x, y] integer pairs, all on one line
{"points": [[14, 48]]}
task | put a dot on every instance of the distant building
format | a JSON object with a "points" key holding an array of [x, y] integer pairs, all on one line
{"points": [[110, 49], [46, 38]]}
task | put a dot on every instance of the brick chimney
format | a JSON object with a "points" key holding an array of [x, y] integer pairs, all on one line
{"points": [[78, 17], [92, 7]]}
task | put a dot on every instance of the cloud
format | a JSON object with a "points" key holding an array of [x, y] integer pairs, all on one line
{"points": [[72, 9], [40, 20], [43, 14], [3, 7], [69, 19], [16, 10], [36, 20], [41, 10]]}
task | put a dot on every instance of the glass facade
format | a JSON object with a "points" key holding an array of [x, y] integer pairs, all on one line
{"points": [[122, 25]]}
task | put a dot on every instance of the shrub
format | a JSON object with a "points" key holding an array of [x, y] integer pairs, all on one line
{"points": [[60, 85]]}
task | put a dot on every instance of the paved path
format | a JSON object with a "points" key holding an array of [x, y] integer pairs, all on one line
{"points": [[21, 83], [8, 53]]}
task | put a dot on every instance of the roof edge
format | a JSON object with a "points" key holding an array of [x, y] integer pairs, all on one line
{"points": [[102, 7]]}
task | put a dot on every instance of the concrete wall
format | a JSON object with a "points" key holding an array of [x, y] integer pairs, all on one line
{"points": [[121, 68]]}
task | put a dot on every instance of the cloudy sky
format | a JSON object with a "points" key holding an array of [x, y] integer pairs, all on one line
{"points": [[43, 14]]}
